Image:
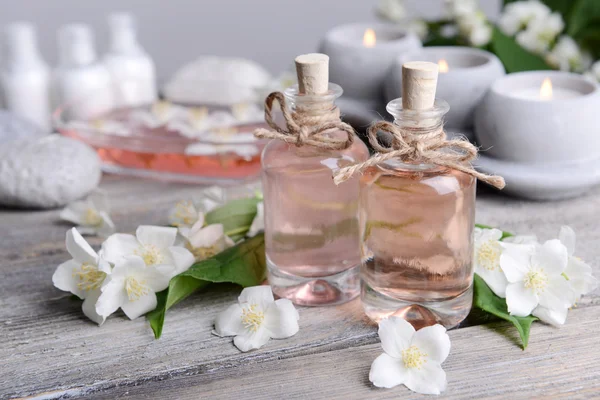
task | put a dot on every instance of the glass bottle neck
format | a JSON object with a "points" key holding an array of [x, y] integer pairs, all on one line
{"points": [[313, 105]]}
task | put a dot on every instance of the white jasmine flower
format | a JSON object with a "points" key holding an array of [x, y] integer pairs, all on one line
{"points": [[247, 112], [518, 15], [487, 259], [411, 358], [212, 197], [540, 33], [83, 275], [184, 213], [460, 8], [521, 239], [90, 215], [225, 142], [392, 10], [258, 224], [567, 56], [594, 73], [536, 282], [257, 318], [419, 27], [480, 35], [205, 241], [154, 244], [131, 286], [578, 273], [449, 30]]}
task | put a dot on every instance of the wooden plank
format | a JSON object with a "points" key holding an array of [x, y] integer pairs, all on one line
{"points": [[48, 346], [484, 362]]}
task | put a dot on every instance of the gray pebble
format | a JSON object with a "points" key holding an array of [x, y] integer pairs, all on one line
{"points": [[47, 173], [13, 127]]}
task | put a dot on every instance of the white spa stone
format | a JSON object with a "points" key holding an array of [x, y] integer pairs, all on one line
{"points": [[13, 127], [470, 75], [361, 70], [534, 131], [46, 173]]}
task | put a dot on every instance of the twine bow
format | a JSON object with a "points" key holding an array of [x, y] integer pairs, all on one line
{"points": [[304, 129], [430, 147]]}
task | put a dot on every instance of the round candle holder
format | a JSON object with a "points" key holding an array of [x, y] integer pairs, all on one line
{"points": [[361, 68], [546, 147], [470, 74]]}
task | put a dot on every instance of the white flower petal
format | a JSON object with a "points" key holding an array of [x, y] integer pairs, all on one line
{"points": [[89, 307], [552, 256], [182, 258], [251, 340], [159, 236], [229, 322], [521, 239], [515, 260], [258, 224], [207, 236], [495, 279], [395, 335], [107, 226], [520, 300], [136, 308], [64, 278], [429, 379], [566, 235], [112, 297], [118, 246], [387, 371], [580, 278], [557, 294], [281, 319], [483, 235], [434, 341], [79, 249], [74, 212], [554, 317], [262, 296]]}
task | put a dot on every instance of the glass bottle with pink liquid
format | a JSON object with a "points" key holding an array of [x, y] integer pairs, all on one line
{"points": [[416, 230], [311, 225]]}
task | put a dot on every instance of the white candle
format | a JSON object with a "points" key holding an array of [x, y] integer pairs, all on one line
{"points": [[557, 94]]}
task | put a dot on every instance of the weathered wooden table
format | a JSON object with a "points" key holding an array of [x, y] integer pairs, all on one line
{"points": [[48, 349]]}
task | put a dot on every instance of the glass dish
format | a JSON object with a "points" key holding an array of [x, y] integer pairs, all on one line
{"points": [[143, 142]]}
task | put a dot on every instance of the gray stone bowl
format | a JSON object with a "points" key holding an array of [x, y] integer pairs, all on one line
{"points": [[361, 70], [470, 75]]}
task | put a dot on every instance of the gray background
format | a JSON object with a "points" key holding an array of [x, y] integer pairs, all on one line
{"points": [[271, 32]]}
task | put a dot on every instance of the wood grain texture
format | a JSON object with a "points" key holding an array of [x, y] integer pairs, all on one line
{"points": [[48, 347]]}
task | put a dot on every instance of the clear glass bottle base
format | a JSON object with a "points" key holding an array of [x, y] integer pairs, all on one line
{"points": [[315, 291], [448, 313]]}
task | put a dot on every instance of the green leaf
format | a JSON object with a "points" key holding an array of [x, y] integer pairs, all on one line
{"points": [[513, 56], [236, 216], [584, 14], [487, 301], [504, 234], [243, 264]]}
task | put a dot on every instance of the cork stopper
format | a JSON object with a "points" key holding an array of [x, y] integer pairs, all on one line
{"points": [[313, 73], [419, 82]]}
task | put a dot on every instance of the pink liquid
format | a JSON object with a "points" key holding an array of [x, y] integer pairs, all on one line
{"points": [[417, 243], [311, 225]]}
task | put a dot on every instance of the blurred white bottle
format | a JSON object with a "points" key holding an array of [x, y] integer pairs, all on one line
{"points": [[82, 84], [25, 77], [132, 69]]}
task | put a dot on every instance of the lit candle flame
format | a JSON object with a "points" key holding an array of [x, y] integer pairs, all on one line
{"points": [[546, 90], [369, 38], [443, 64]]}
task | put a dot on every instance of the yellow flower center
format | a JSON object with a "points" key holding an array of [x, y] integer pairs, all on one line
{"points": [[413, 357], [135, 289], [252, 318], [536, 280], [88, 277], [202, 253], [91, 217], [185, 212], [150, 254], [488, 255]]}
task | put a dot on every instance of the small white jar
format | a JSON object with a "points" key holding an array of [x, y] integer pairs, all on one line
{"points": [[131, 68], [25, 77], [82, 85]]}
